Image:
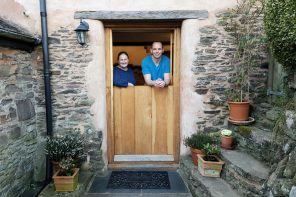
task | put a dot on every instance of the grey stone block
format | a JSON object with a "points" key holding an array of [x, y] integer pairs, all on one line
{"points": [[4, 71], [290, 169], [3, 140], [201, 91], [39, 163], [272, 114], [6, 101], [52, 40], [293, 192], [25, 109], [14, 133], [11, 88]]}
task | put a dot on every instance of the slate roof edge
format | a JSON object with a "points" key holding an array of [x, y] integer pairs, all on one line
{"points": [[13, 31]]}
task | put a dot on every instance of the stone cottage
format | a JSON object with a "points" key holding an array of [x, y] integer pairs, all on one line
{"points": [[83, 97]]}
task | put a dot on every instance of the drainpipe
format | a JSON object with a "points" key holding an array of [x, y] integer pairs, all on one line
{"points": [[46, 70]]}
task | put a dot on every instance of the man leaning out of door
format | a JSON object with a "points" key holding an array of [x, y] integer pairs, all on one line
{"points": [[156, 67]]}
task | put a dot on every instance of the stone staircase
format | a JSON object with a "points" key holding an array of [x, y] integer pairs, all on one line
{"points": [[245, 171]]}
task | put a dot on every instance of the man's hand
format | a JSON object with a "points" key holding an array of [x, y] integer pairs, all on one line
{"points": [[159, 83]]}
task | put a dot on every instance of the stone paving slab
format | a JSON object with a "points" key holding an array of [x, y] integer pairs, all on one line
{"points": [[204, 186], [139, 194], [84, 179]]}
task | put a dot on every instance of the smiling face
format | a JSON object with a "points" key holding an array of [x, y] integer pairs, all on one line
{"points": [[156, 50], [123, 60]]}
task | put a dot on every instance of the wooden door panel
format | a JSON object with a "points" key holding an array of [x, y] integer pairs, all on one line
{"points": [[143, 120], [124, 120], [128, 120], [170, 121], [159, 121], [117, 120]]}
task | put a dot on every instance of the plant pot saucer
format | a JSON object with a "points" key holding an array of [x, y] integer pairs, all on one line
{"points": [[242, 122], [227, 148]]}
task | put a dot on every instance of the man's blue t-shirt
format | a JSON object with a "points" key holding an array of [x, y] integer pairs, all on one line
{"points": [[156, 72]]}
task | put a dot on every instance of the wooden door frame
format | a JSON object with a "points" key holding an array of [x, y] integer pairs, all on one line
{"points": [[109, 83]]}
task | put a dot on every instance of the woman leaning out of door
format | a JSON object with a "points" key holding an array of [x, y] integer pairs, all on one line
{"points": [[123, 75]]}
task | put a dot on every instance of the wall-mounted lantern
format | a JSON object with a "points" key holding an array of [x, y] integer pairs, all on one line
{"points": [[81, 32]]}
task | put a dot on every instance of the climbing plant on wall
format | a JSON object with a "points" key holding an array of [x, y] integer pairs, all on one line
{"points": [[280, 27]]}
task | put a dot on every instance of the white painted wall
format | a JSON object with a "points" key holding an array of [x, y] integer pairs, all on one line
{"points": [[61, 13]]}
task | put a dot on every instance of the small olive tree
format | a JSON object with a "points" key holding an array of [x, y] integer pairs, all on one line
{"points": [[244, 23]]}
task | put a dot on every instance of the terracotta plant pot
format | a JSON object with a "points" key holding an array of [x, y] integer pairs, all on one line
{"points": [[194, 153], [66, 183], [239, 111], [210, 168], [226, 142]]}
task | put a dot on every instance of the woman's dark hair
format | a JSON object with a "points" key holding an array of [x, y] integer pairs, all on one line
{"points": [[122, 52]]}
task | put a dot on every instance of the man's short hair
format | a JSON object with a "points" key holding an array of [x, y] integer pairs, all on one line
{"points": [[156, 42]]}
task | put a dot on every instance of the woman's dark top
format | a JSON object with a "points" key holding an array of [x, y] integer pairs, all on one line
{"points": [[121, 78]]}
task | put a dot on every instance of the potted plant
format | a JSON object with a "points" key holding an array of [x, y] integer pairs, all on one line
{"points": [[226, 139], [63, 146], [196, 142], [66, 178], [209, 164], [243, 22]]}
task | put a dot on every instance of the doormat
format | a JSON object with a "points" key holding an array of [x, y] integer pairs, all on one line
{"points": [[139, 180]]}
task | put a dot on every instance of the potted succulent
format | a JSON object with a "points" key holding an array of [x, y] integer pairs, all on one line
{"points": [[209, 164], [66, 178], [226, 139], [196, 142], [60, 147]]}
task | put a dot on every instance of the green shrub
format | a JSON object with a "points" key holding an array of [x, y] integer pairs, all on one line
{"points": [[280, 27], [71, 145], [198, 140], [67, 166]]}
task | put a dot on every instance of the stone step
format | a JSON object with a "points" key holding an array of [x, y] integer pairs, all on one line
{"points": [[260, 144], [139, 195], [244, 173], [203, 186]]}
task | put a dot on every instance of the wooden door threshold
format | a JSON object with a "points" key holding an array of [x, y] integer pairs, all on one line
{"points": [[127, 166], [143, 158]]}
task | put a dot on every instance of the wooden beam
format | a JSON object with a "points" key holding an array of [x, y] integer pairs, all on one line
{"points": [[168, 15]]}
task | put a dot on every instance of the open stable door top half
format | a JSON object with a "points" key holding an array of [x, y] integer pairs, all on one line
{"points": [[142, 121]]}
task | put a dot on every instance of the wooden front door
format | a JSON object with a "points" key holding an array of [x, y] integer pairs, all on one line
{"points": [[143, 122]]}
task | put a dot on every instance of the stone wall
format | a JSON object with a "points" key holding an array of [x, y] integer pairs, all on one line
{"points": [[71, 104], [213, 70], [282, 180], [21, 152]]}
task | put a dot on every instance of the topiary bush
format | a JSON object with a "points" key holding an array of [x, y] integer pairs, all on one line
{"points": [[280, 27]]}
